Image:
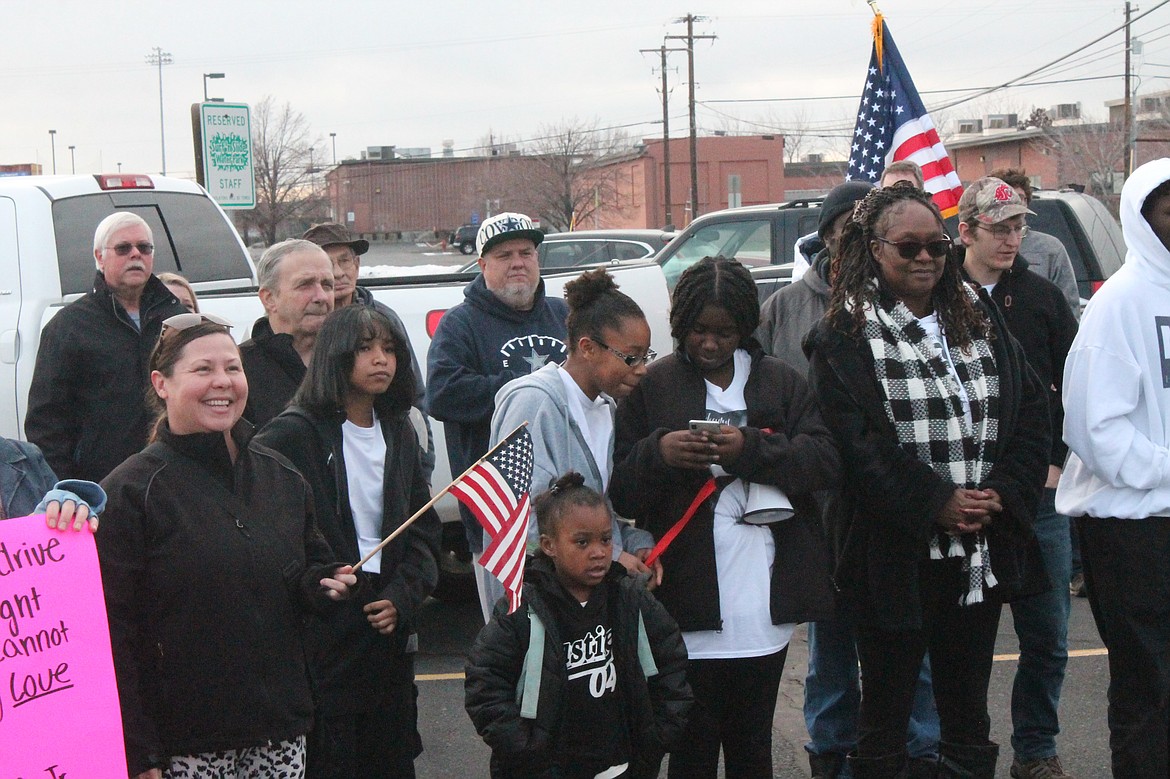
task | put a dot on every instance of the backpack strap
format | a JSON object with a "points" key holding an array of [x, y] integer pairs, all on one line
{"points": [[528, 687]]}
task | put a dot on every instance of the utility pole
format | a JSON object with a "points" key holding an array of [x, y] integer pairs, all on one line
{"points": [[158, 58], [668, 216], [690, 38], [53, 145], [1128, 98]]}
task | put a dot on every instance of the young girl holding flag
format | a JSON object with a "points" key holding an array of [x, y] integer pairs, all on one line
{"points": [[348, 432]]}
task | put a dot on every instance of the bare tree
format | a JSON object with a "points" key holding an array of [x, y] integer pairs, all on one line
{"points": [[572, 179], [285, 158], [1089, 153]]}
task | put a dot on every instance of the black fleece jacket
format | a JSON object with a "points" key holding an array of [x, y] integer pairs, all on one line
{"points": [[656, 708], [207, 567], [350, 662], [796, 454], [87, 407], [1037, 314]]}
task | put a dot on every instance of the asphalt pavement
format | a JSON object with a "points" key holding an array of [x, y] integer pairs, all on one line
{"points": [[453, 750]]}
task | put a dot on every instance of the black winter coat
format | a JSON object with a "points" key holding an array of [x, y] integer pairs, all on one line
{"points": [[886, 510], [274, 371], [797, 456], [1037, 314], [87, 407], [207, 565], [350, 662], [656, 708]]}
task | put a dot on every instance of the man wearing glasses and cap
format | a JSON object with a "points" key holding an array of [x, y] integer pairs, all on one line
{"points": [[991, 226], [87, 407]]}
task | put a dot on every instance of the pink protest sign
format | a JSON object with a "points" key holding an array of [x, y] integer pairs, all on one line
{"points": [[59, 710]]}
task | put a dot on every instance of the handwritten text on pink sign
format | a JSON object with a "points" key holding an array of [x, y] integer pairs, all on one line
{"points": [[59, 711]]}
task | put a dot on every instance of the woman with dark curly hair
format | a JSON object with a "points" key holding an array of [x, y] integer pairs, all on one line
{"points": [[943, 434]]}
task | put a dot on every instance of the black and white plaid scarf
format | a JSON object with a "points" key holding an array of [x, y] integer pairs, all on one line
{"points": [[924, 403]]}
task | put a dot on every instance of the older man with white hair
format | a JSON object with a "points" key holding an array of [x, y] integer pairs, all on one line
{"points": [[296, 290], [87, 407]]}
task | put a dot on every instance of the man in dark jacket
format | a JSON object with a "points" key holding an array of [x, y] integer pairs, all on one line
{"points": [[296, 289], [345, 253], [87, 407], [506, 328], [991, 226]]}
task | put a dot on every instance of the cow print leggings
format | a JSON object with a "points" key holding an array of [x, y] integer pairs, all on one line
{"points": [[285, 760]]}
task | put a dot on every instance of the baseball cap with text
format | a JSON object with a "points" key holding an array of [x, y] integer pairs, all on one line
{"points": [[990, 200], [505, 227]]}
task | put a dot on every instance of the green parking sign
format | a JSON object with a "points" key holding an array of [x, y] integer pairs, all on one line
{"points": [[225, 145]]}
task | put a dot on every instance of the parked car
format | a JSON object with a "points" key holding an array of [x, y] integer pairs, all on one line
{"points": [[764, 238], [464, 238], [593, 247]]}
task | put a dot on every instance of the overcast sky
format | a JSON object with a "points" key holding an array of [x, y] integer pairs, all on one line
{"points": [[412, 73]]}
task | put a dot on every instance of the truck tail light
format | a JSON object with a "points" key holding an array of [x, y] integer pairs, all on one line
{"points": [[124, 181], [1094, 286], [433, 318]]}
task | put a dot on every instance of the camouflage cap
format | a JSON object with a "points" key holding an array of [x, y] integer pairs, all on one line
{"points": [[990, 200]]}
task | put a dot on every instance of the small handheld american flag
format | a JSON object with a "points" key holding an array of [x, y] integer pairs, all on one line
{"points": [[495, 490]]}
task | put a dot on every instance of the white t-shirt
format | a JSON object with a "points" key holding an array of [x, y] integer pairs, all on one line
{"points": [[935, 332], [595, 419], [743, 553], [364, 449]]}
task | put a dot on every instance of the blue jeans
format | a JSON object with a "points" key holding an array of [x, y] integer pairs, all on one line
{"points": [[1041, 623], [832, 695]]}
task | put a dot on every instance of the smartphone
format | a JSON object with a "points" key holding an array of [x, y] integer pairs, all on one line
{"points": [[705, 426]]}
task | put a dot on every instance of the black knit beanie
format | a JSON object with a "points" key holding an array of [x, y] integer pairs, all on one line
{"points": [[839, 200]]}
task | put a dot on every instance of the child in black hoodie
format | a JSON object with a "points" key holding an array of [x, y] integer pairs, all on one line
{"points": [[588, 677]]}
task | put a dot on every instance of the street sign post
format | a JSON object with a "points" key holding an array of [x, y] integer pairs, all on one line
{"points": [[224, 144]]}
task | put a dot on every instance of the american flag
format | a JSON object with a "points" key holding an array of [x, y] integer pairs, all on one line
{"points": [[495, 490], [892, 124]]}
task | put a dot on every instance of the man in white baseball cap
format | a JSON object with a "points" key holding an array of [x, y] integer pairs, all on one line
{"points": [[505, 328]]}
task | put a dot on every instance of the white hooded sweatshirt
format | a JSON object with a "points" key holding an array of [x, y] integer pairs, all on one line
{"points": [[1117, 378]]}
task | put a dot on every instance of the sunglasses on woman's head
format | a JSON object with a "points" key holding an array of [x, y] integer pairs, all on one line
{"points": [[184, 321], [908, 250]]}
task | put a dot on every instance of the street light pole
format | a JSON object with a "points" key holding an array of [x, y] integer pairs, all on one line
{"points": [[207, 99], [53, 145], [72, 160], [333, 137], [158, 58]]}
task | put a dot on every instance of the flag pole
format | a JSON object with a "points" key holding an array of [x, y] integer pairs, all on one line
{"points": [[398, 530], [873, 7]]}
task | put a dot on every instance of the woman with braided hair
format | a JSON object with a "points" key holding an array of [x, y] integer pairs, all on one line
{"points": [[943, 431], [735, 587]]}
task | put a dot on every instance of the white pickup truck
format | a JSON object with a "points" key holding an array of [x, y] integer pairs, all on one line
{"points": [[46, 261]]}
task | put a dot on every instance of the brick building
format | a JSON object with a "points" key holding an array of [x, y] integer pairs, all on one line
{"points": [[378, 198]]}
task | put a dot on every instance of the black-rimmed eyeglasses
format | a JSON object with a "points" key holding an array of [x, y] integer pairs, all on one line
{"points": [[631, 360], [908, 250]]}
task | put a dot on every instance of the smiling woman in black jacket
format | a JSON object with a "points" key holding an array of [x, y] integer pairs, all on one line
{"points": [[943, 434], [348, 432], [209, 555]]}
